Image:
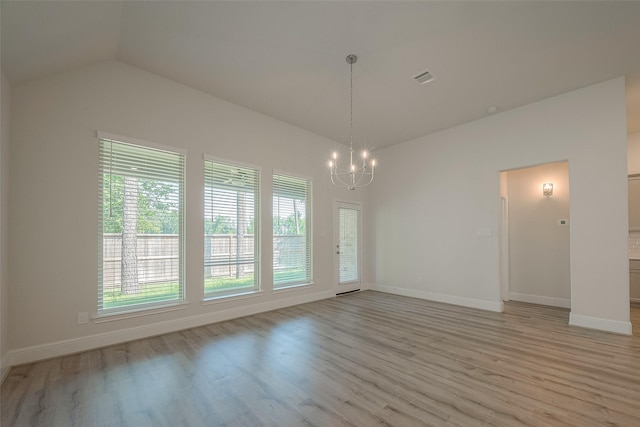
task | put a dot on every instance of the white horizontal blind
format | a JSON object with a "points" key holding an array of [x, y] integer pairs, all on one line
{"points": [[231, 239], [292, 241], [141, 223]]}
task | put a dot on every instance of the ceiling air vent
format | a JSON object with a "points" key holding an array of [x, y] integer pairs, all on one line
{"points": [[424, 77]]}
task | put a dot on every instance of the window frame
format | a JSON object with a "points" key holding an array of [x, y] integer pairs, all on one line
{"points": [[151, 307], [309, 270], [257, 218]]}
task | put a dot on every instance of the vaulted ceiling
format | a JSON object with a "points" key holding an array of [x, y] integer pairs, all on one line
{"points": [[287, 59]]}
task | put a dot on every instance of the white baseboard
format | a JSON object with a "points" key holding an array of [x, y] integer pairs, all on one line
{"points": [[538, 299], [634, 299], [75, 345], [600, 324], [497, 306]]}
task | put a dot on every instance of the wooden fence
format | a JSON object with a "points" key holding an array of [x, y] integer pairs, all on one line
{"points": [[158, 256]]}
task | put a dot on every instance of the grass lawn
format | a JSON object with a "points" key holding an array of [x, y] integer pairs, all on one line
{"points": [[168, 291]]}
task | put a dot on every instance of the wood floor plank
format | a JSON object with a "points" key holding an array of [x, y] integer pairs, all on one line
{"points": [[366, 359]]}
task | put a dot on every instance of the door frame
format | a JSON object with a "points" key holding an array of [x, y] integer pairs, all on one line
{"points": [[504, 248], [354, 285], [505, 222]]}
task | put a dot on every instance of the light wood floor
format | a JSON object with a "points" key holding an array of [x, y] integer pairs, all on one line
{"points": [[364, 359]]}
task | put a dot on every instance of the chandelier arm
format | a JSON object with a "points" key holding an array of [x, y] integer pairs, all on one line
{"points": [[337, 176], [365, 173], [356, 179], [357, 184], [355, 176], [342, 171]]}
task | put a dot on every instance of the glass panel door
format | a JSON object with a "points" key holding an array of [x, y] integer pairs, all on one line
{"points": [[348, 257], [348, 247]]}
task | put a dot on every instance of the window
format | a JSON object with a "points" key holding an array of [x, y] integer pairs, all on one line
{"points": [[291, 231], [141, 197], [231, 228]]}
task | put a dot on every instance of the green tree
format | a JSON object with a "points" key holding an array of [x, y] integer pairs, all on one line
{"points": [[132, 206], [157, 207], [292, 225], [219, 225]]}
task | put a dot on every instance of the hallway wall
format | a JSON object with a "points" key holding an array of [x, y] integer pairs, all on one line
{"points": [[538, 245]]}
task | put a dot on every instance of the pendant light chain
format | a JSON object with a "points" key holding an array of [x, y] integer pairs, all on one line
{"points": [[351, 168]]}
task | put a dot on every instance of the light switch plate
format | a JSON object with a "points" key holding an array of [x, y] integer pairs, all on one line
{"points": [[483, 232]]}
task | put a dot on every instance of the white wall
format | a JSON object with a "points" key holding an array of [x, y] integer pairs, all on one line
{"points": [[633, 162], [54, 205], [633, 157], [538, 245], [5, 134], [436, 199]]}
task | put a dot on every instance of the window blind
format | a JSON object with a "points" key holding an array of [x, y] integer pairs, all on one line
{"points": [[292, 237], [232, 228], [141, 223]]}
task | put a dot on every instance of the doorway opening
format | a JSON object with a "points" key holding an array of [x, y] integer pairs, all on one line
{"points": [[534, 235]]}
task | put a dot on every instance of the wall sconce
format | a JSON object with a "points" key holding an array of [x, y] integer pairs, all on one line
{"points": [[547, 189]]}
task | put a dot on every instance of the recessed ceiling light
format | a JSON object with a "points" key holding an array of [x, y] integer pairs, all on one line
{"points": [[424, 77], [492, 110]]}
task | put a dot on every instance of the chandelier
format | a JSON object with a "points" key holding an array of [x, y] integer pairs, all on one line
{"points": [[357, 173]]}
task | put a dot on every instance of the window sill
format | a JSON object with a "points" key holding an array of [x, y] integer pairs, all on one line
{"points": [[231, 297], [129, 314], [293, 287]]}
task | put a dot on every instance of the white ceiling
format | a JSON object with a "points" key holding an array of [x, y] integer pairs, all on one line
{"points": [[287, 59]]}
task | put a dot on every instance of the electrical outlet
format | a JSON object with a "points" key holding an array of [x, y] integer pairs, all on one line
{"points": [[83, 318]]}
